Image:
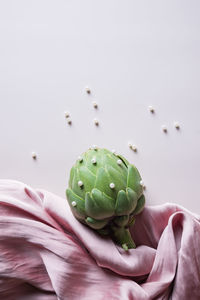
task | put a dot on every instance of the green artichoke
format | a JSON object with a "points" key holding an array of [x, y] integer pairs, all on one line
{"points": [[105, 192]]}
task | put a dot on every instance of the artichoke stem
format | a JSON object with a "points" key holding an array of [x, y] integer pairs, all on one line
{"points": [[123, 237]]}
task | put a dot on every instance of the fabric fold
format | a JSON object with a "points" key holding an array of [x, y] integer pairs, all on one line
{"points": [[45, 253]]}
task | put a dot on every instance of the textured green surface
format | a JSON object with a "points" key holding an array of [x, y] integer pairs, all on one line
{"points": [[108, 210]]}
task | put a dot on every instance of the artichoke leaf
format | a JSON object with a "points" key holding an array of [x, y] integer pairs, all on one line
{"points": [[79, 209], [133, 180], [102, 182], [124, 160], [98, 205], [140, 205], [116, 178], [87, 177], [88, 162], [75, 187], [121, 203], [111, 160], [132, 198], [95, 224], [126, 202]]}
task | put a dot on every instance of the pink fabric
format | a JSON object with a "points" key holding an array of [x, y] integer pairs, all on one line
{"points": [[46, 254]]}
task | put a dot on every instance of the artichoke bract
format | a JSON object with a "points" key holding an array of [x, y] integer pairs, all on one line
{"points": [[105, 192]]}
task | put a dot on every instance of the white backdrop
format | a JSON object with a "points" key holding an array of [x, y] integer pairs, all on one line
{"points": [[131, 54]]}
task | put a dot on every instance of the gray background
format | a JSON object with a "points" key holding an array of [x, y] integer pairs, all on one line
{"points": [[131, 54]]}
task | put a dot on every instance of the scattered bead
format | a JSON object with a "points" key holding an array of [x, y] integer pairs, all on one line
{"points": [[132, 147], [112, 185], [69, 121], [95, 105], [80, 183], [176, 125], [151, 109], [94, 161], [164, 128], [87, 89], [119, 162], [80, 159], [67, 115], [96, 122], [74, 203], [34, 155]]}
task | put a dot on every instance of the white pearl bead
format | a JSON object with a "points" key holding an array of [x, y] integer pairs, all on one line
{"points": [[176, 125], [94, 160], [132, 147], [80, 183], [96, 122], [74, 203], [164, 128], [112, 185], [95, 105], [34, 155], [87, 89], [151, 109], [67, 115], [69, 121], [119, 161], [80, 159]]}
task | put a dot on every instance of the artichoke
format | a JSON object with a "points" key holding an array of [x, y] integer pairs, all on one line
{"points": [[105, 192]]}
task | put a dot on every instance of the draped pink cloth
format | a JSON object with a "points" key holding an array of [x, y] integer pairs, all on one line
{"points": [[46, 254]]}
